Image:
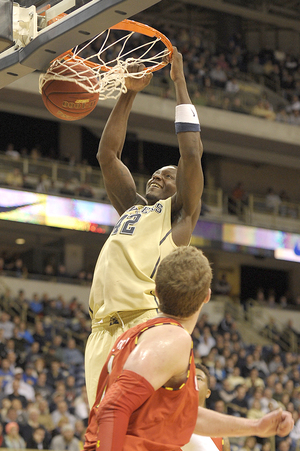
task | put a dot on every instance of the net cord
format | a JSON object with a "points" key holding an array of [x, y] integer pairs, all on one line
{"points": [[106, 78]]}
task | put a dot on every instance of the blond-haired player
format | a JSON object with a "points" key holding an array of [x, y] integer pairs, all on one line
{"points": [[147, 396]]}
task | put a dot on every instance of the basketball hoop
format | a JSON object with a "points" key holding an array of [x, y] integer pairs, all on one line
{"points": [[110, 55]]}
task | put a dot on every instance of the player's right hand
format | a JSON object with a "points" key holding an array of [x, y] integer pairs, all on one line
{"points": [[137, 84], [277, 422]]}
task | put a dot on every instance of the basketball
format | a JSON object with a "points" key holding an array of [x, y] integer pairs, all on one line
{"points": [[66, 99]]}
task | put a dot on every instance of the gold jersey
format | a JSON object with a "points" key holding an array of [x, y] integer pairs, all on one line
{"points": [[126, 267]]}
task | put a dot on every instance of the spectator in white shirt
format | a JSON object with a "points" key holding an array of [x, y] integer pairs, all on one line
{"points": [[7, 325], [206, 342], [62, 411], [25, 389], [272, 200], [268, 403]]}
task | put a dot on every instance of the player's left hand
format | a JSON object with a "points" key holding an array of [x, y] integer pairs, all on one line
{"points": [[277, 422], [176, 61]]}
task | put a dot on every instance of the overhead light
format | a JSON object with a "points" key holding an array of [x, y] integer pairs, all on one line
{"points": [[20, 241]]}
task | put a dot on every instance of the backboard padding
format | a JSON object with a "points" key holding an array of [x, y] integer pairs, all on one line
{"points": [[6, 31], [77, 27]]}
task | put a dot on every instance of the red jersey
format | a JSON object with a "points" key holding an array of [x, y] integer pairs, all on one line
{"points": [[166, 421], [218, 441]]}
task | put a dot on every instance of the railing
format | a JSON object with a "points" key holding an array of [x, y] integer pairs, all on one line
{"points": [[290, 341], [288, 345], [213, 198], [56, 171], [9, 304], [250, 93], [284, 209], [45, 278], [254, 327], [284, 216]]}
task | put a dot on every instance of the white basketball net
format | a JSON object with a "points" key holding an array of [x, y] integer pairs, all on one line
{"points": [[122, 53]]}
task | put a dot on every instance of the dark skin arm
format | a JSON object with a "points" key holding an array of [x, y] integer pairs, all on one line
{"points": [[119, 183], [186, 203]]}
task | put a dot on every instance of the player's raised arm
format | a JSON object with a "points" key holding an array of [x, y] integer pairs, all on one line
{"points": [[118, 180], [189, 179]]}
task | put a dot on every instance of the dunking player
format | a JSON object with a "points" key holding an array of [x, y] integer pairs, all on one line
{"points": [[147, 397], [197, 442], [149, 228]]}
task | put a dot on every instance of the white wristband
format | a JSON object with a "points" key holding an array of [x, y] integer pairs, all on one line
{"points": [[186, 118], [186, 113]]}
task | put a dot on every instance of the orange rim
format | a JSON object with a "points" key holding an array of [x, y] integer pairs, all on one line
{"points": [[126, 25]]}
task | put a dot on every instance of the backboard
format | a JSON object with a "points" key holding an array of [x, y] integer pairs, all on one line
{"points": [[43, 29]]}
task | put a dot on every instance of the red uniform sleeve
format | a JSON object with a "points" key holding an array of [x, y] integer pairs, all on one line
{"points": [[218, 441], [125, 395]]}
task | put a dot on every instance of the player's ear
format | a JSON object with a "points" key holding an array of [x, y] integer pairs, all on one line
{"points": [[206, 300], [208, 393]]}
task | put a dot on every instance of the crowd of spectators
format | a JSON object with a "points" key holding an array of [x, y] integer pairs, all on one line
{"points": [[278, 202], [225, 74], [248, 380], [13, 265], [70, 187], [38, 180], [227, 66], [43, 402], [220, 74], [269, 298]]}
